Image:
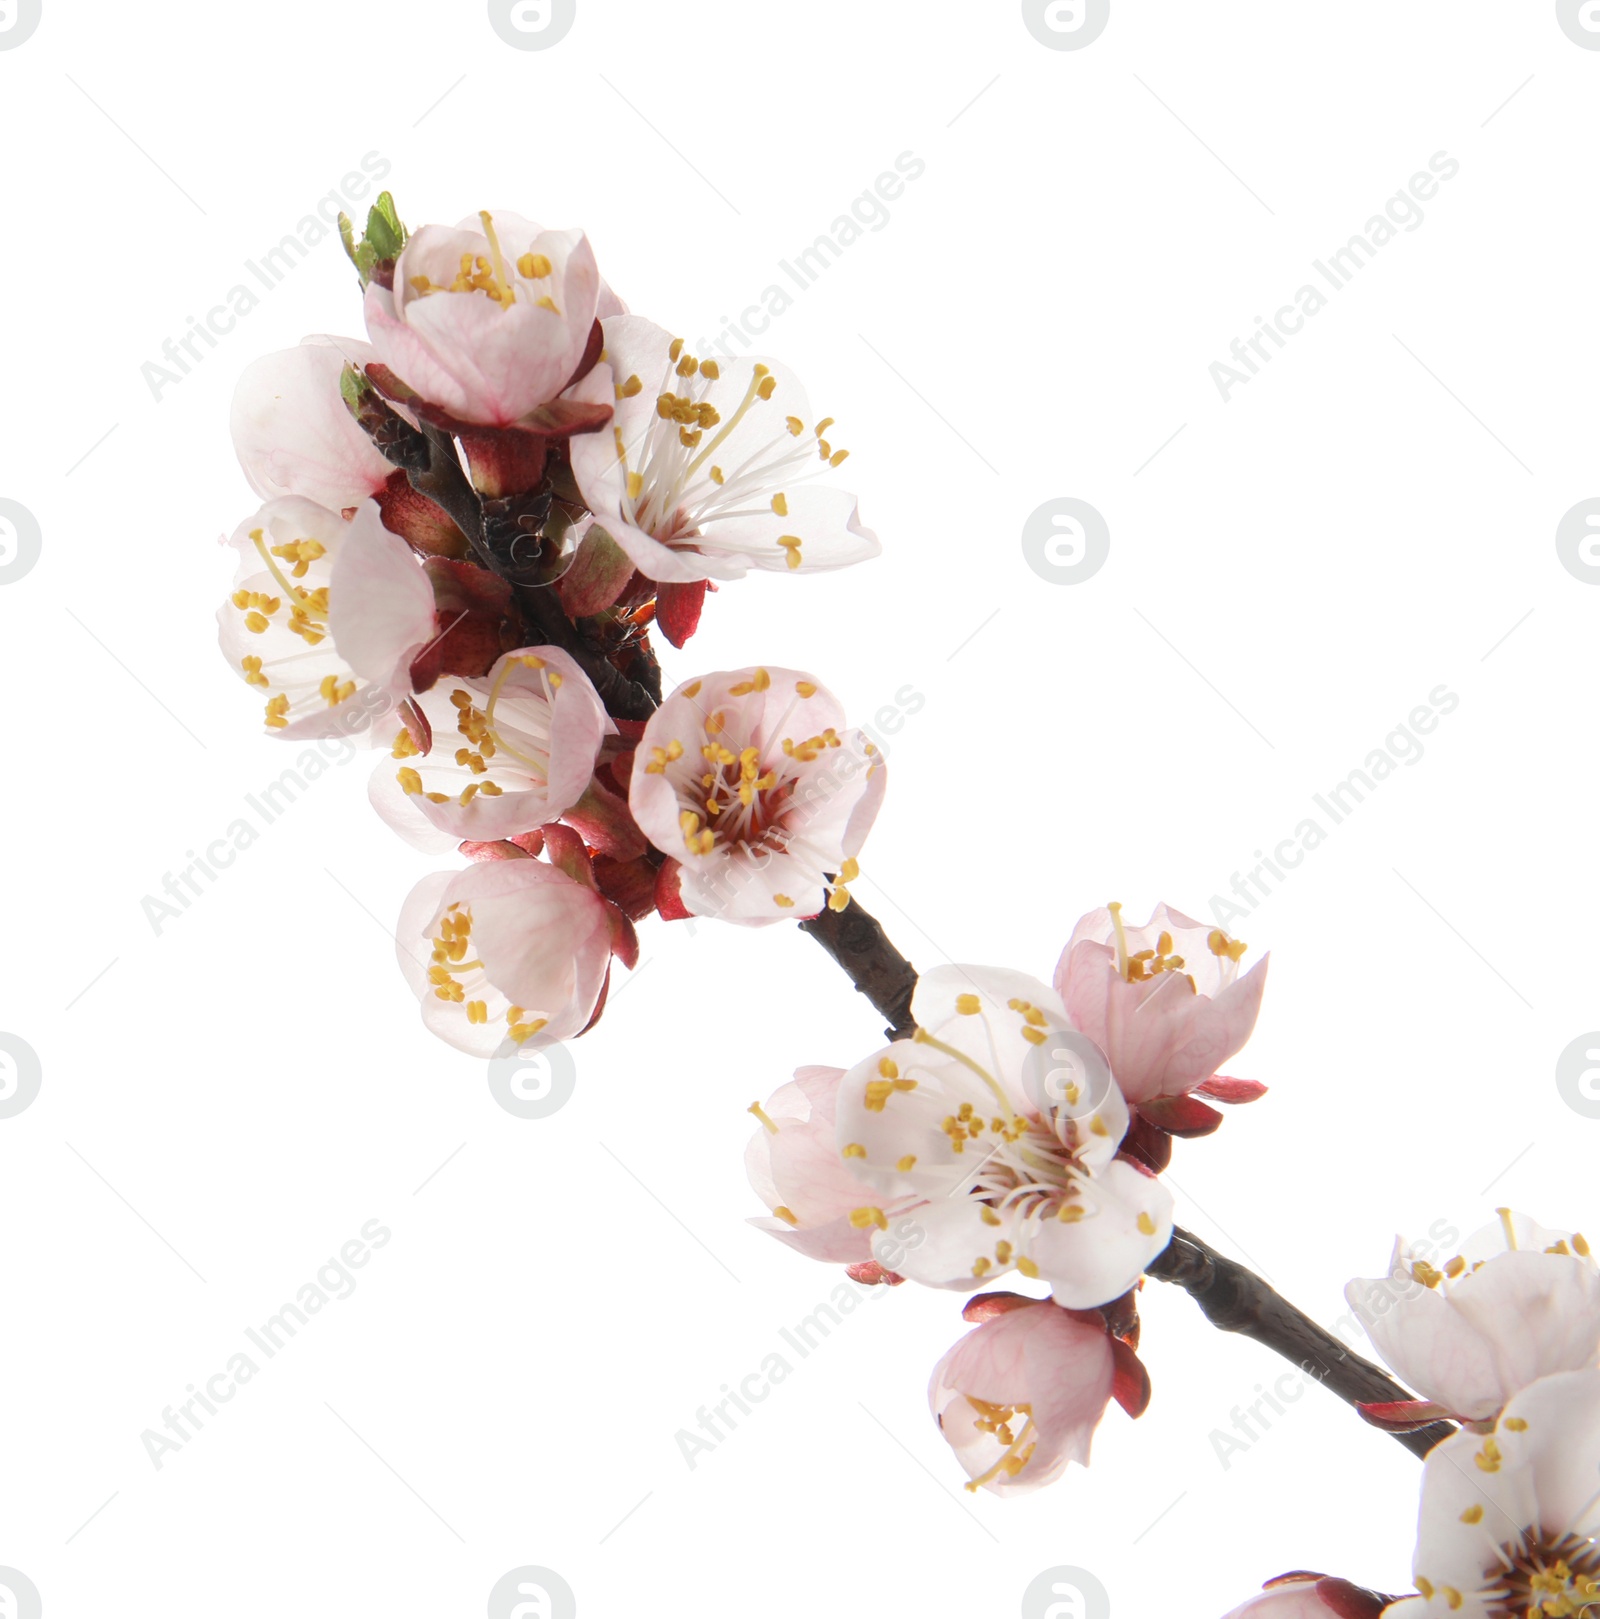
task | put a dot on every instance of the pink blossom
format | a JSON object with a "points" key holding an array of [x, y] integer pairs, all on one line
{"points": [[487, 324], [1165, 1001], [323, 612], [793, 1163], [1020, 1397], [709, 469], [749, 781], [1516, 1304], [505, 950], [510, 752], [1510, 1520], [1005, 1161]]}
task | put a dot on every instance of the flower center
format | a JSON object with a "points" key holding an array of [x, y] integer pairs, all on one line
{"points": [[490, 275], [1554, 1577], [527, 746]]}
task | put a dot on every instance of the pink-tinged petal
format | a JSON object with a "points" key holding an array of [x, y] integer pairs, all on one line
{"points": [[294, 435], [941, 1244], [1098, 1257], [537, 956], [797, 1166], [836, 1242], [971, 1009], [1039, 1358], [826, 521], [380, 603]]}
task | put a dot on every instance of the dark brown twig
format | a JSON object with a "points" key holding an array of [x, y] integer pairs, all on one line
{"points": [[1235, 1299], [855, 939]]}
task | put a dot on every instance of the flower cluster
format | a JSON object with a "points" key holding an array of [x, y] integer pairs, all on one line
{"points": [[1020, 1129], [472, 520]]}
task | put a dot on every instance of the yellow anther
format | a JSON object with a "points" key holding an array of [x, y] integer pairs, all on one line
{"points": [[854, 1150], [786, 1215], [907, 1164], [862, 1218], [535, 266], [968, 1005]]}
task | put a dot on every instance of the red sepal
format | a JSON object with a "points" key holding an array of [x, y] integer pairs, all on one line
{"points": [[986, 1306], [1351, 1601], [669, 902], [424, 526], [496, 850], [1181, 1116], [630, 885], [1232, 1092], [568, 853], [1402, 1416], [871, 1274], [1130, 1382], [1146, 1145], [678, 609], [603, 817]]}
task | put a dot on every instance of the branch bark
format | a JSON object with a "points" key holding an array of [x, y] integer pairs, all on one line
{"points": [[855, 939], [443, 482], [1235, 1299]]}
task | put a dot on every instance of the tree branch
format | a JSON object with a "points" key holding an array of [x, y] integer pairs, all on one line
{"points": [[1235, 1299], [444, 483], [855, 939]]}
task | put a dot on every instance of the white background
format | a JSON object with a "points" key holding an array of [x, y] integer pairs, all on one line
{"points": [[1290, 576]]}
